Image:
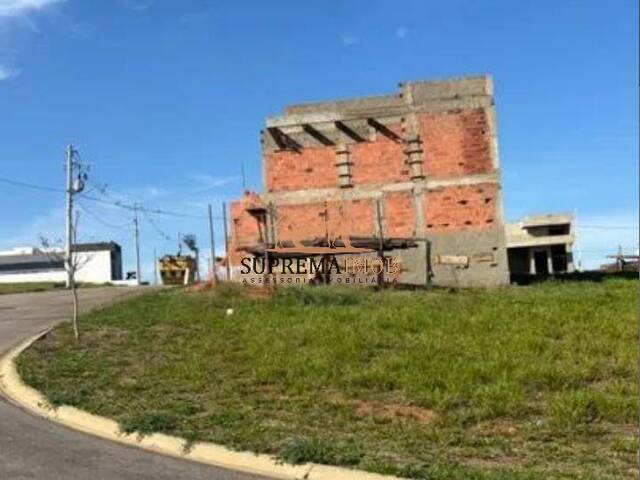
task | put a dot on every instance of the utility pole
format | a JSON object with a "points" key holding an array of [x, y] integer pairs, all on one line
{"points": [[213, 246], [155, 267], [71, 263], [197, 252], [380, 243], [226, 240], [576, 233], [69, 212], [76, 222], [137, 241]]}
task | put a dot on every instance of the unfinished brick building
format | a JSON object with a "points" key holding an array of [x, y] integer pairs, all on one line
{"points": [[426, 158]]}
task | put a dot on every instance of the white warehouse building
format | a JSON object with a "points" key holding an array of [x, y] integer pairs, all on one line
{"points": [[96, 263]]}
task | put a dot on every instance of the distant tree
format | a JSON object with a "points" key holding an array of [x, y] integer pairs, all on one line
{"points": [[190, 241]]}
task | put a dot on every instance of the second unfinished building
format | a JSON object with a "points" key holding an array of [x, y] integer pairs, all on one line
{"points": [[425, 158]]}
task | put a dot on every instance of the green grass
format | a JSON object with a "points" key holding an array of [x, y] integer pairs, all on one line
{"points": [[517, 383], [31, 287], [6, 288]]}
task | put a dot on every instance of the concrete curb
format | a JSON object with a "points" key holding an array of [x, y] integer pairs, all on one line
{"points": [[16, 391]]}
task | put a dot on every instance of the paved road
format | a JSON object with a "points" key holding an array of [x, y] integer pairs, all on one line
{"points": [[33, 448]]}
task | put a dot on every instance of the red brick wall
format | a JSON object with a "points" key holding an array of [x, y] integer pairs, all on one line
{"points": [[460, 207], [382, 161], [399, 212], [244, 226], [310, 168], [456, 143], [355, 216], [449, 209]]}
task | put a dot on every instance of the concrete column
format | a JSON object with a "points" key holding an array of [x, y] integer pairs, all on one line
{"points": [[413, 151], [532, 263], [569, 257], [418, 204], [343, 165], [549, 261]]}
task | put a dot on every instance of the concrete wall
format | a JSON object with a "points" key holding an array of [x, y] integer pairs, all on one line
{"points": [[54, 276], [93, 267], [469, 258]]}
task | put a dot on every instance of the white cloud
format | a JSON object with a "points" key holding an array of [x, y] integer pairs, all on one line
{"points": [[17, 8], [138, 5], [401, 32], [193, 18], [153, 191], [49, 225], [8, 72], [209, 181], [17, 13], [348, 40]]}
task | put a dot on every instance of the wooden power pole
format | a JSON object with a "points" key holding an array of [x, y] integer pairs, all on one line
{"points": [[213, 246], [226, 240], [69, 214]]}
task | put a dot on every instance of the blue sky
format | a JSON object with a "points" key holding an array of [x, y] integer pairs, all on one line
{"points": [[165, 100]]}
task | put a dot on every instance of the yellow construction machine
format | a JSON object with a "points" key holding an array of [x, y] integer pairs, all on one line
{"points": [[177, 269]]}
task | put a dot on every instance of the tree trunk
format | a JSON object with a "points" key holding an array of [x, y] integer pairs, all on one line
{"points": [[74, 292]]}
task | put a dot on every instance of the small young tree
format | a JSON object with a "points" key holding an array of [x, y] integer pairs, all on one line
{"points": [[76, 179], [73, 263]]}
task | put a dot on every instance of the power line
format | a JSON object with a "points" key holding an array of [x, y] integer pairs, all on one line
{"points": [[17, 183], [158, 230], [155, 226], [102, 188], [100, 220], [600, 250], [609, 227], [140, 208], [115, 202]]}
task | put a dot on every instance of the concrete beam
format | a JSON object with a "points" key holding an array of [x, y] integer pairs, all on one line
{"points": [[384, 130], [282, 140], [300, 119], [317, 135], [370, 191], [349, 132], [396, 110], [276, 136], [520, 241]]}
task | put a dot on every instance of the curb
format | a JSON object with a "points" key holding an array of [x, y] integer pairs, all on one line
{"points": [[16, 391]]}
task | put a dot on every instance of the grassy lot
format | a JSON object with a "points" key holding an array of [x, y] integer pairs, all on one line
{"points": [[519, 383], [29, 287], [6, 288]]}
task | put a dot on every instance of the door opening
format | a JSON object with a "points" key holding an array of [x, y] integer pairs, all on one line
{"points": [[541, 263]]}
